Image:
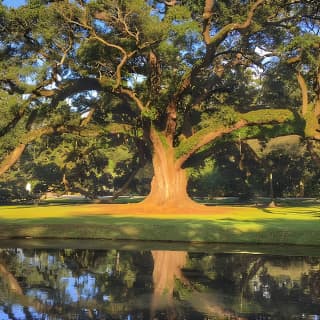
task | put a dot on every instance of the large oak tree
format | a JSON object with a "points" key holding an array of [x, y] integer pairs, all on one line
{"points": [[185, 69]]}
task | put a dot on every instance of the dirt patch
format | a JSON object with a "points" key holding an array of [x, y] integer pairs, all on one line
{"points": [[141, 209]]}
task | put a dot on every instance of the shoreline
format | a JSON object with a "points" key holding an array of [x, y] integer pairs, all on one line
{"points": [[133, 245]]}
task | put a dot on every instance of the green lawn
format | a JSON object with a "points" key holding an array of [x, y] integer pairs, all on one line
{"points": [[282, 225]]}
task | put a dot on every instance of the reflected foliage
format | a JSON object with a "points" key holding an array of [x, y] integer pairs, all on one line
{"points": [[111, 284]]}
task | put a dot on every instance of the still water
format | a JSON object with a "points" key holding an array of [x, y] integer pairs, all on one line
{"points": [[157, 284]]}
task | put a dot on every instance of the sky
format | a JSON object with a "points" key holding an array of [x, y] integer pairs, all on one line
{"points": [[13, 3]]}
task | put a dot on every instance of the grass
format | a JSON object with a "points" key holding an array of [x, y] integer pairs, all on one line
{"points": [[236, 224]]}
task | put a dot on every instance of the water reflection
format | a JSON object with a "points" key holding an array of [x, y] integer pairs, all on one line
{"points": [[157, 284], [167, 270]]}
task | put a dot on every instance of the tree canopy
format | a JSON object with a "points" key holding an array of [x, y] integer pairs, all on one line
{"points": [[167, 79]]}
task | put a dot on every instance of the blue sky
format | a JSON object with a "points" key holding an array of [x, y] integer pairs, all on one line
{"points": [[13, 3]]}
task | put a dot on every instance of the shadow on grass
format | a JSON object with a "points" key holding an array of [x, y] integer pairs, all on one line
{"points": [[42, 205], [262, 231], [305, 210]]}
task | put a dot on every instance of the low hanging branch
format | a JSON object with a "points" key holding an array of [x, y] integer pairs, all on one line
{"points": [[126, 185], [14, 121], [12, 158], [66, 90], [31, 136], [17, 152], [202, 137]]}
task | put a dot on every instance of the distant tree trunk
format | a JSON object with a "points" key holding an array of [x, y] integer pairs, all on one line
{"points": [[125, 186], [301, 187], [271, 185], [65, 182], [272, 202]]}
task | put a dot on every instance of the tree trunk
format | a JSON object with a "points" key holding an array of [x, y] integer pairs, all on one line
{"points": [[169, 183]]}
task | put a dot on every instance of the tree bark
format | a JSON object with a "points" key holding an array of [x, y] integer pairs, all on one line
{"points": [[8, 161], [304, 93], [169, 183]]}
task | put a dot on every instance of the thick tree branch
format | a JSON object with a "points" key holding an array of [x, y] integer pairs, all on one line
{"points": [[21, 298], [207, 15], [117, 87], [14, 121], [125, 55], [11, 280], [12, 158], [64, 91], [212, 44], [31, 136], [88, 118], [302, 84], [223, 33], [73, 87], [126, 185], [304, 93], [131, 94], [12, 86], [17, 152], [123, 20], [204, 136]]}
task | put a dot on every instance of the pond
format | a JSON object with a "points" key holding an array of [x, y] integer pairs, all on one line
{"points": [[137, 282]]}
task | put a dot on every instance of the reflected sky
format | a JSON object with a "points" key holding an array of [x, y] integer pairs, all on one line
{"points": [[156, 284]]}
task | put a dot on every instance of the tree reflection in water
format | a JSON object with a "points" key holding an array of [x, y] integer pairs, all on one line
{"points": [[138, 285], [167, 269]]}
